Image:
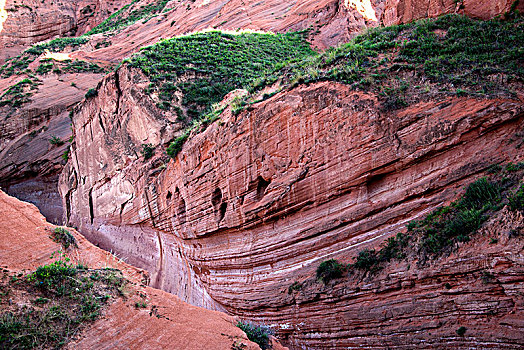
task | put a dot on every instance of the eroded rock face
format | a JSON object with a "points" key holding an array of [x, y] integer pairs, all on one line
{"points": [[258, 200], [329, 22], [25, 161], [32, 21], [405, 11], [29, 161], [25, 244]]}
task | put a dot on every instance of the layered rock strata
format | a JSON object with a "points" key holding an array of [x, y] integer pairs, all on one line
{"points": [[329, 23], [25, 244], [31, 21], [257, 200]]}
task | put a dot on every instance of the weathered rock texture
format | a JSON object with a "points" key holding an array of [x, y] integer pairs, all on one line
{"points": [[331, 22], [32, 21], [29, 163], [258, 200], [25, 162], [25, 244]]}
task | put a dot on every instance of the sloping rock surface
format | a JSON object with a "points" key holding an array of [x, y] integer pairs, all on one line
{"points": [[25, 244], [258, 200]]}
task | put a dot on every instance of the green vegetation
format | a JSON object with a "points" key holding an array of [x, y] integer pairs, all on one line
{"points": [[329, 270], [140, 304], [57, 45], [55, 140], [147, 151], [511, 167], [440, 230], [128, 15], [176, 145], [65, 155], [461, 331], [296, 286], [458, 220], [256, 333], [451, 55], [66, 301], [206, 66], [19, 64], [91, 93], [63, 236], [19, 93], [516, 200], [67, 66]]}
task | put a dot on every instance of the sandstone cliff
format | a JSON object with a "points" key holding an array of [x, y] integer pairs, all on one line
{"points": [[26, 244], [30, 166], [256, 201], [31, 21]]}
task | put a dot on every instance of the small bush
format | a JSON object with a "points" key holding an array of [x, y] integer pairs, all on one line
{"points": [[65, 155], [366, 259], [147, 151], [55, 140], [51, 276], [294, 286], [91, 93], [256, 333], [140, 305], [480, 193], [63, 236], [511, 167], [461, 331], [176, 145], [516, 200], [330, 269]]}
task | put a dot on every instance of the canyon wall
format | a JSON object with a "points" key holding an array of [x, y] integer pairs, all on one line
{"points": [[31, 21], [29, 164], [256, 201]]}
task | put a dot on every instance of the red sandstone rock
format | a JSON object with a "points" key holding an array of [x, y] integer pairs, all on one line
{"points": [[32, 173], [32, 21], [258, 200], [25, 244]]}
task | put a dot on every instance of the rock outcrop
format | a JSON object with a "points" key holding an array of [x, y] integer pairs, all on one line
{"points": [[26, 161], [31, 21], [29, 161], [26, 244], [257, 201]]}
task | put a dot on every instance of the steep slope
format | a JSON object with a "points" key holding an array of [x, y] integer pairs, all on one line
{"points": [[30, 165], [30, 21], [161, 322], [38, 89], [320, 169]]}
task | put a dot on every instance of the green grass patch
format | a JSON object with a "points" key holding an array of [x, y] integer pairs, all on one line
{"points": [[64, 300], [204, 67], [19, 93], [256, 333], [20, 63], [129, 15], [452, 55]]}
